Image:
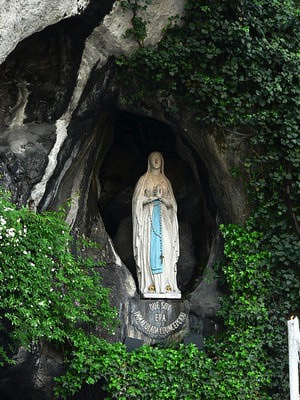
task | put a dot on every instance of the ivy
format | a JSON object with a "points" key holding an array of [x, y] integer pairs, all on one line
{"points": [[138, 31], [179, 373]]}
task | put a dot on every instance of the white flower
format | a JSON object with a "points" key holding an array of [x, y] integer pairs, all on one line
{"points": [[10, 232]]}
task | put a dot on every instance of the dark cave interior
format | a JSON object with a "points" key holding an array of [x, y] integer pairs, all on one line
{"points": [[135, 137]]}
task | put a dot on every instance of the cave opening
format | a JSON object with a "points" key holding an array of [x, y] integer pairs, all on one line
{"points": [[135, 137]]}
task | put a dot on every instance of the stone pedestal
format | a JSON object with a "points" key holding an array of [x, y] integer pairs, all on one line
{"points": [[172, 295], [156, 321]]}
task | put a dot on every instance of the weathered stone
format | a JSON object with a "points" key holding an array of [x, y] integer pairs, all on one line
{"points": [[110, 36], [187, 265], [23, 157], [123, 289], [123, 244], [221, 155], [32, 377], [21, 18]]}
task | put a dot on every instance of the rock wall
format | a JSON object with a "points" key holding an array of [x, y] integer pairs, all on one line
{"points": [[65, 134], [21, 18]]}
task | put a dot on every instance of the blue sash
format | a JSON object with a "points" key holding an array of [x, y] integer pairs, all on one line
{"points": [[156, 250]]}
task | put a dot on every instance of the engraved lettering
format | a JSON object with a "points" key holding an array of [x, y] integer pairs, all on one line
{"points": [[146, 327], [159, 305], [165, 306], [160, 318]]}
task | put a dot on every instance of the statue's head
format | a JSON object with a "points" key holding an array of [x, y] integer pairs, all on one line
{"points": [[155, 161]]}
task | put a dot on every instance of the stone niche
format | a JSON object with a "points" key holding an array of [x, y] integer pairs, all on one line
{"points": [[135, 137]]}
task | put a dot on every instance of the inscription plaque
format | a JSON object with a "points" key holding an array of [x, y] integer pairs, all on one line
{"points": [[158, 319]]}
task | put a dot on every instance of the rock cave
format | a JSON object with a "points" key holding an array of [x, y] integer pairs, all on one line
{"points": [[66, 135], [134, 138]]}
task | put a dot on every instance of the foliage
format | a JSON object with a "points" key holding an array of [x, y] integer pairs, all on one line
{"points": [[138, 31], [152, 373], [46, 293], [235, 65], [231, 368], [260, 299], [181, 372]]}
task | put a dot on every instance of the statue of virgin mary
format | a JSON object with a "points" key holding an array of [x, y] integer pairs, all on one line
{"points": [[155, 232]]}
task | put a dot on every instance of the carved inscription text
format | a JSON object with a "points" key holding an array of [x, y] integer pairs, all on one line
{"points": [[159, 320]]}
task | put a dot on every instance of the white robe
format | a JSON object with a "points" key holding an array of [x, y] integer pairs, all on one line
{"points": [[164, 282]]}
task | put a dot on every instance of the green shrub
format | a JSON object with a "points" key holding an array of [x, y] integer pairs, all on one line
{"points": [[233, 366], [45, 292]]}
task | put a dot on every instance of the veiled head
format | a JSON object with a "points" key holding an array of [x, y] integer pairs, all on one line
{"points": [[155, 162]]}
